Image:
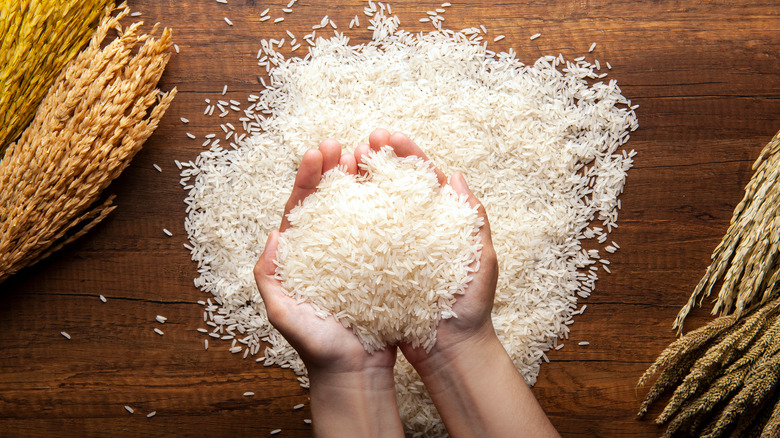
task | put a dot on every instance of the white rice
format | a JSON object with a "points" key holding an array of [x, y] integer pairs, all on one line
{"points": [[227, 20], [535, 36], [499, 38], [102, 298], [275, 431], [249, 394], [129, 409], [67, 336], [592, 47], [165, 230], [151, 414], [540, 146], [298, 406], [161, 319], [584, 343], [158, 331], [394, 218]]}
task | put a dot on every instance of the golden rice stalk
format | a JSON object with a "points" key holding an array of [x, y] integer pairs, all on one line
{"points": [[700, 355], [772, 427], [94, 119], [695, 411], [707, 368], [735, 370], [37, 39], [747, 260], [758, 384]]}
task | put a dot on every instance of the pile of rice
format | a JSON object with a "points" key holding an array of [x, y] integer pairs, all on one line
{"points": [[538, 144], [385, 253]]}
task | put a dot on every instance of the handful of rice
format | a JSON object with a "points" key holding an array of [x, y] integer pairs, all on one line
{"points": [[385, 253]]}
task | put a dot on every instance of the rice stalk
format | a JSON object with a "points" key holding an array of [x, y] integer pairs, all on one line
{"points": [[759, 383], [729, 382], [772, 427], [93, 120], [671, 376], [687, 345], [736, 371], [752, 426], [695, 411], [746, 260], [37, 39], [707, 368]]}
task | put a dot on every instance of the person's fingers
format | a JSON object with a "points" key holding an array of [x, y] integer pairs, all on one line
{"points": [[348, 161], [405, 147], [458, 183], [266, 267], [306, 181], [331, 152], [487, 274], [270, 288], [378, 139], [360, 153]]}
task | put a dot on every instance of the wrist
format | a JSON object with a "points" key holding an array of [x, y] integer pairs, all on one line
{"points": [[354, 403], [368, 380], [458, 354]]}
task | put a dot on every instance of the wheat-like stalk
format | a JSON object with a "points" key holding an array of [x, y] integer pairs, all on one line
{"points": [[37, 39], [772, 427], [93, 120], [746, 261], [735, 370]]}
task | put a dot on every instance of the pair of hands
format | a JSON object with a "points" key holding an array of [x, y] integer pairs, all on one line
{"points": [[471, 379], [325, 345]]}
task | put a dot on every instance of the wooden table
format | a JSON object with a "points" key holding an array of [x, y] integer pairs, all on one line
{"points": [[707, 77]]}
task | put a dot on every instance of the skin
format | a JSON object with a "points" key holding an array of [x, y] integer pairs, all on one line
{"points": [[470, 377]]}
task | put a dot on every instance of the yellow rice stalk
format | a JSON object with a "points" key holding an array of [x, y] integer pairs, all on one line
{"points": [[726, 375], [37, 39], [93, 120], [746, 263]]}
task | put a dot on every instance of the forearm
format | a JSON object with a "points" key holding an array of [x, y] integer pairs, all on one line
{"points": [[354, 404], [479, 392]]}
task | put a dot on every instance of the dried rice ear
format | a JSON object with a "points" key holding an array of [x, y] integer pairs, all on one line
{"points": [[53, 176]]}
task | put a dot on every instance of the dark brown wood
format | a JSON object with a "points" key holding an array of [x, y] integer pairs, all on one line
{"points": [[707, 77]]}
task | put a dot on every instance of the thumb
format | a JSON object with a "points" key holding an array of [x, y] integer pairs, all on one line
{"points": [[458, 183], [276, 302], [265, 268]]}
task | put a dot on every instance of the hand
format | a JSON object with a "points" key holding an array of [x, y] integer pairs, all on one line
{"points": [[352, 391], [474, 323]]}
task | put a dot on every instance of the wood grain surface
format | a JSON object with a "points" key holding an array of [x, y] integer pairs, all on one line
{"points": [[705, 74]]}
